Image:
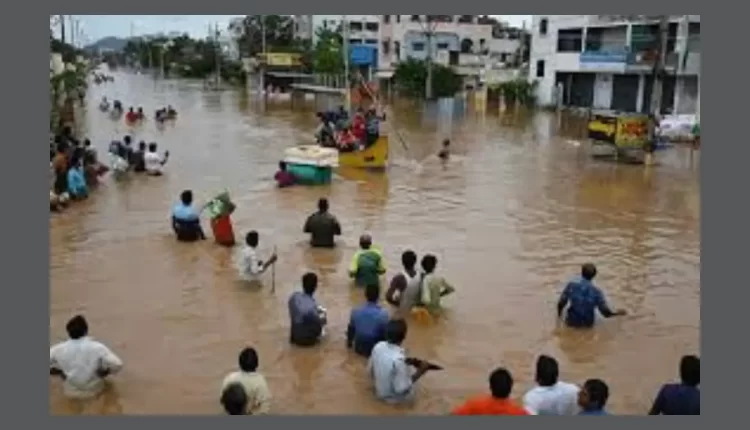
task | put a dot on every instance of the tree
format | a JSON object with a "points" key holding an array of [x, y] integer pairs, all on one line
{"points": [[411, 79], [328, 55], [279, 31]]}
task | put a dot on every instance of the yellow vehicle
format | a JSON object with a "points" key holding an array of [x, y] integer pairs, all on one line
{"points": [[374, 157]]}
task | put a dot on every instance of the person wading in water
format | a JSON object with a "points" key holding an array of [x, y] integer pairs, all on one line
{"points": [[322, 227], [367, 264]]}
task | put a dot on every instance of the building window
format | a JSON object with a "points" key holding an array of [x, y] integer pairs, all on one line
{"points": [[355, 26], [694, 37], [442, 46], [398, 19], [397, 49], [504, 57], [371, 26], [570, 40], [540, 69], [371, 42], [543, 24], [355, 41], [415, 18], [386, 19], [386, 47], [325, 25], [417, 46]]}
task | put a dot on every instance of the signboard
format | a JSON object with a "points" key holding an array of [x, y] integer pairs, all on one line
{"points": [[632, 132], [625, 132], [611, 60], [363, 55], [281, 59]]}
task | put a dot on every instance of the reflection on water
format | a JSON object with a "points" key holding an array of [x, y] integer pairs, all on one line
{"points": [[515, 212]]}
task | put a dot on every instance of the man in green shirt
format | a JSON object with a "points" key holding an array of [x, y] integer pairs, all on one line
{"points": [[367, 264]]}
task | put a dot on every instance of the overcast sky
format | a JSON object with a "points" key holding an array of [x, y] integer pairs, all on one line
{"points": [[96, 27]]}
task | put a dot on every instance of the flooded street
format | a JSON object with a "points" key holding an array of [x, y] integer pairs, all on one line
{"points": [[511, 218]]}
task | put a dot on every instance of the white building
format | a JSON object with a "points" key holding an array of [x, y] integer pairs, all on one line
{"points": [[462, 41], [606, 61], [363, 29]]}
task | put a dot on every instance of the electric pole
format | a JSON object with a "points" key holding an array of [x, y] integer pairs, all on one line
{"points": [[218, 55], [345, 34], [657, 88], [429, 30], [262, 80], [62, 28]]}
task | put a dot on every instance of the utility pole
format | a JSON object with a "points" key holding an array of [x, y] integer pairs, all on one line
{"points": [[218, 55], [62, 28], [657, 88], [262, 80], [72, 31], [345, 34], [430, 33]]}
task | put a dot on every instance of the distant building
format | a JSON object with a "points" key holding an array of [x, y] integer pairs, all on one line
{"points": [[363, 29], [465, 42], [606, 61]]}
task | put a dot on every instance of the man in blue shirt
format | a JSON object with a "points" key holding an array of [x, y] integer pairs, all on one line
{"points": [[584, 299], [305, 314], [367, 323], [593, 398], [186, 221], [683, 398]]}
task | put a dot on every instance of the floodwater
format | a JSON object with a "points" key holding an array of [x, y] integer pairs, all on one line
{"points": [[511, 217]]}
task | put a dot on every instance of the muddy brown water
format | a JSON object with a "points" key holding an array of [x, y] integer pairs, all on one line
{"points": [[511, 218]]}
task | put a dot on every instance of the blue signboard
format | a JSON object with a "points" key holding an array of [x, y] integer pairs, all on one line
{"points": [[363, 55], [619, 56]]}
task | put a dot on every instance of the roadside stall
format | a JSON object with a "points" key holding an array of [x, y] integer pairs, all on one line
{"points": [[619, 136]]}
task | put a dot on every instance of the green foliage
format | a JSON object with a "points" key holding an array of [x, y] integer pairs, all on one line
{"points": [[518, 91], [328, 57], [183, 57], [411, 79], [279, 31]]}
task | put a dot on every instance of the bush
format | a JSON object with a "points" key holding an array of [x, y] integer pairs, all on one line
{"points": [[411, 79], [518, 91]]}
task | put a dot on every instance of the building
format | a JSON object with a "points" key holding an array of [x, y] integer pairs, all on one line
{"points": [[363, 29], [606, 61], [462, 41]]}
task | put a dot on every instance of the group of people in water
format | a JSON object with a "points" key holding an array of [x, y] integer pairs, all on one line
{"points": [[377, 334], [338, 130], [373, 332], [146, 159], [134, 116], [74, 167]]}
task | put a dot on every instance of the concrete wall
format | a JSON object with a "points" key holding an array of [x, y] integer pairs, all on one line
{"points": [[544, 48]]}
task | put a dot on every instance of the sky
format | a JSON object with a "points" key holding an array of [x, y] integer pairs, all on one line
{"points": [[96, 27]]}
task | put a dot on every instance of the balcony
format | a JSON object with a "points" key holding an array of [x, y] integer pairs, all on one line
{"points": [[644, 61]]}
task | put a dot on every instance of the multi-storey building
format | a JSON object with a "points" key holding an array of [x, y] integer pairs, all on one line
{"points": [[363, 29], [606, 61], [458, 40]]}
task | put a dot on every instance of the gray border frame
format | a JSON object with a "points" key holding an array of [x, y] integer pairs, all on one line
{"points": [[30, 293]]}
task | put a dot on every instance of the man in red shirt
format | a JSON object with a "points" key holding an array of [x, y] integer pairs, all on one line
{"points": [[496, 403], [359, 127], [283, 178], [131, 116]]}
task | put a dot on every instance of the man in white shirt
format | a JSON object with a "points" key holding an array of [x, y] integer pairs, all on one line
{"points": [[82, 362], [390, 370], [153, 161], [253, 383], [550, 396], [250, 266]]}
